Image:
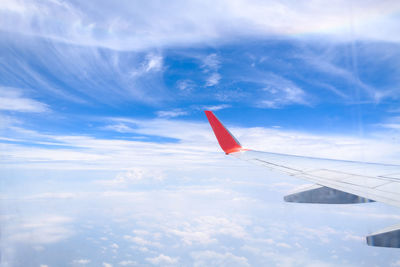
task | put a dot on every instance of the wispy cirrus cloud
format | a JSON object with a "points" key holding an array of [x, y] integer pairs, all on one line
{"points": [[12, 99], [177, 112], [91, 75], [185, 86], [394, 126], [151, 63], [326, 64], [211, 63], [210, 66], [171, 113], [280, 92], [215, 107], [213, 79], [123, 27]]}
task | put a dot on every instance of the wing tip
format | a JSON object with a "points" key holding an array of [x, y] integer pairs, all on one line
{"points": [[226, 140]]}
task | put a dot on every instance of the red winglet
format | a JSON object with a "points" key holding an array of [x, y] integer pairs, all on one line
{"points": [[225, 139]]}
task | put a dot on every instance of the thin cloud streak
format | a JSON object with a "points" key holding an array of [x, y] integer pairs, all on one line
{"points": [[171, 113], [82, 75], [11, 99]]}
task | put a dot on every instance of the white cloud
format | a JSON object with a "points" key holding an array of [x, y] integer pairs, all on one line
{"points": [[128, 263], [212, 258], [105, 264], [193, 148], [192, 236], [281, 92], [283, 245], [163, 260], [52, 195], [171, 113], [134, 176], [142, 241], [41, 230], [203, 230], [138, 26], [370, 215], [154, 62], [326, 64], [185, 86], [323, 234], [353, 237], [198, 213], [213, 79], [211, 63], [81, 261], [179, 112], [11, 99], [215, 107], [395, 263], [140, 232], [391, 126]]}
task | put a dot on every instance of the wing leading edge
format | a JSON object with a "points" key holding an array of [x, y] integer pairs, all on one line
{"points": [[368, 181]]}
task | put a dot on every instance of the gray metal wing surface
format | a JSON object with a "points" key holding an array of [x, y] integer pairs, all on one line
{"points": [[379, 182]]}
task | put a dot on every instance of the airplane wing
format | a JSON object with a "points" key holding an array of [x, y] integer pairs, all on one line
{"points": [[336, 181]]}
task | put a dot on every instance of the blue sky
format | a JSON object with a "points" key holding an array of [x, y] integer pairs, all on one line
{"points": [[107, 157]]}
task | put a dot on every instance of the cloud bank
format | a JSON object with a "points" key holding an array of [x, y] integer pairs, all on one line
{"points": [[159, 24]]}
